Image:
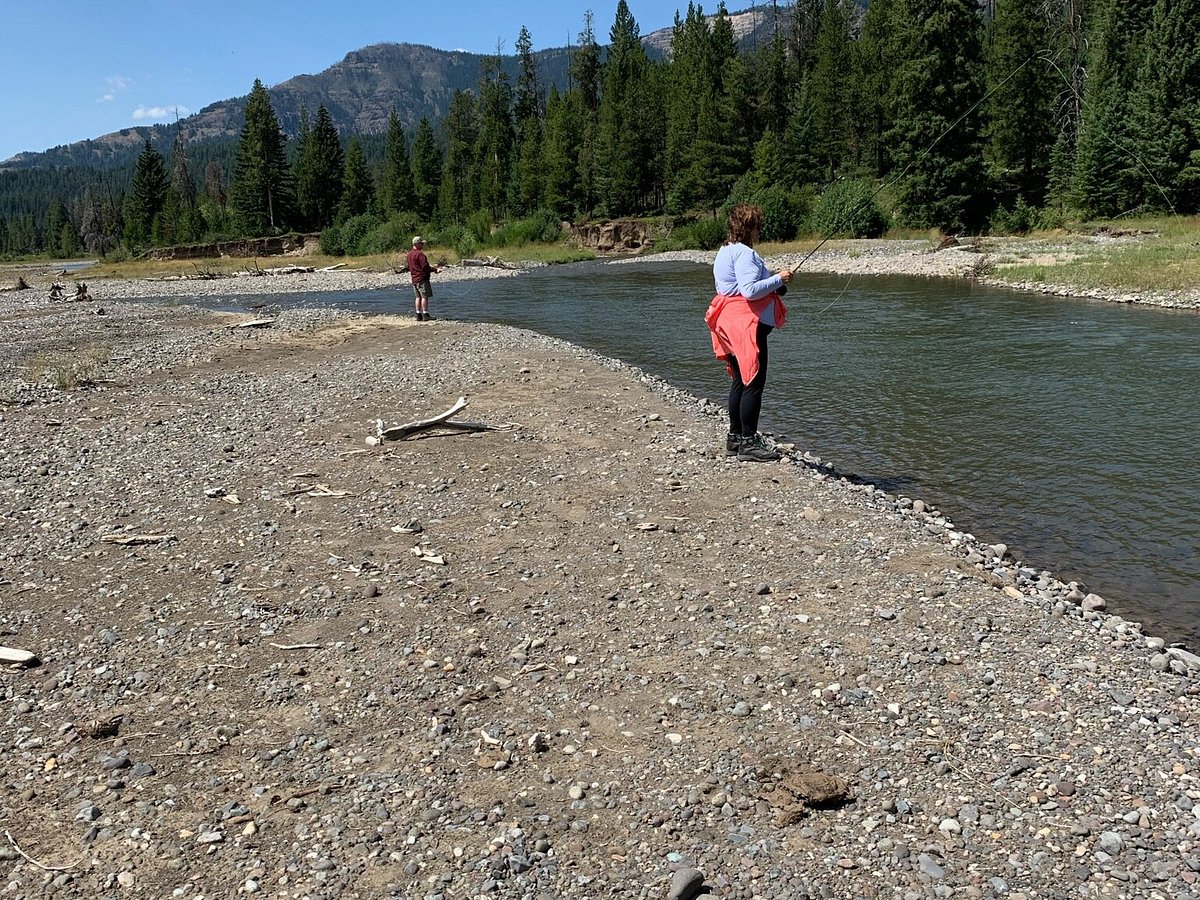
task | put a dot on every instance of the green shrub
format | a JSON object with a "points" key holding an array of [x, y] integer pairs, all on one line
{"points": [[456, 236], [479, 224], [388, 236], [543, 227], [702, 234], [331, 241], [850, 208], [1021, 220], [119, 253], [785, 212], [355, 231]]}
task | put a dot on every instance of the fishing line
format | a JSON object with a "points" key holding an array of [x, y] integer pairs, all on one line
{"points": [[1112, 140], [883, 187]]}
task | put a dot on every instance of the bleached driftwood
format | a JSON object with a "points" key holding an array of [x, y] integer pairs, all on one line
{"points": [[332, 268], [254, 323], [13, 656], [493, 262], [289, 270], [400, 432], [129, 539]]}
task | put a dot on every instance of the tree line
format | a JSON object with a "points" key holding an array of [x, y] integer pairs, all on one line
{"points": [[926, 113]]}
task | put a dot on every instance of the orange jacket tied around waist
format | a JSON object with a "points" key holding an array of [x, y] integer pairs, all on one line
{"points": [[733, 322]]}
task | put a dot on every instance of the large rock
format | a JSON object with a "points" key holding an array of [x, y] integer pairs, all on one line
{"points": [[618, 236]]}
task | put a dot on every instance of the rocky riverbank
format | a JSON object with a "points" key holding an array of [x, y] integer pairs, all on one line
{"points": [[578, 655]]}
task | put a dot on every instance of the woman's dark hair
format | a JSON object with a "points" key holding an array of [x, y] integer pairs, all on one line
{"points": [[744, 220]]}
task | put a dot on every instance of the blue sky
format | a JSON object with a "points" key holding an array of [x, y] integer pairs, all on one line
{"points": [[82, 68]]}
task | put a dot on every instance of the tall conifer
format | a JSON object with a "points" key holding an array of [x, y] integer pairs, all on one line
{"points": [[426, 171], [357, 187], [397, 169], [1021, 131], [148, 193], [262, 192], [937, 128]]}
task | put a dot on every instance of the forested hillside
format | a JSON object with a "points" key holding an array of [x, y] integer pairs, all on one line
{"points": [[929, 113]]}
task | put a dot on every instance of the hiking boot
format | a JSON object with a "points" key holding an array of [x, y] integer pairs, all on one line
{"points": [[420, 317], [428, 317], [733, 443], [755, 449]]}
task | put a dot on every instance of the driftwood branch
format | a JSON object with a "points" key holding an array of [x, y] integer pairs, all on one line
{"points": [[13, 656], [131, 539], [493, 262], [400, 432], [12, 840], [298, 646]]}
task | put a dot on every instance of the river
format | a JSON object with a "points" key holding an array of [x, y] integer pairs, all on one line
{"points": [[1065, 428]]}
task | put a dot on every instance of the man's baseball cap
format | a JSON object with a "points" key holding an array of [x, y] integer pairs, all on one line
{"points": [[418, 240]]}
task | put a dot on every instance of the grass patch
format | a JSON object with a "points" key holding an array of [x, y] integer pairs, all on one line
{"points": [[1156, 255], [68, 370]]}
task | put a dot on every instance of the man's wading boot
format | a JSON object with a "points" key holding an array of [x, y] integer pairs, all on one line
{"points": [[755, 449], [733, 443]]}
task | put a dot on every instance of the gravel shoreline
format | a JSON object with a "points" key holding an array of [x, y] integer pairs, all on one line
{"points": [[583, 655]]}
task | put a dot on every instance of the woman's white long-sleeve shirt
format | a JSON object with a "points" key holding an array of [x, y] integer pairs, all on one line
{"points": [[739, 269]]}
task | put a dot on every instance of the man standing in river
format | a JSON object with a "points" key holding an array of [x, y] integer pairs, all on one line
{"points": [[419, 270]]}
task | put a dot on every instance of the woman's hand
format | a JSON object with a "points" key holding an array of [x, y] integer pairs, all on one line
{"points": [[786, 275]]}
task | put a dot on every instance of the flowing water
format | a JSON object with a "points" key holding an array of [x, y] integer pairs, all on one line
{"points": [[1067, 429]]}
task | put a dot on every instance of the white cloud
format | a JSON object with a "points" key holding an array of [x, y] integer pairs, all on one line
{"points": [[161, 112], [116, 84]]}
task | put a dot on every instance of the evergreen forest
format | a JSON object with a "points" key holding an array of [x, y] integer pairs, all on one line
{"points": [[1002, 116]]}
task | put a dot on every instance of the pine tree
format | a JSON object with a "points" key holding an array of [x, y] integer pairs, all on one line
{"points": [[1108, 180], [629, 121], [397, 169], [527, 100], [877, 55], [586, 67], [801, 161], [426, 171], [262, 192], [182, 222], [830, 74], [1166, 108], [1068, 23], [773, 84], [56, 220], [806, 22], [459, 188], [320, 172], [1021, 131], [148, 193], [494, 145], [937, 129], [706, 146], [585, 71], [560, 153], [357, 187]]}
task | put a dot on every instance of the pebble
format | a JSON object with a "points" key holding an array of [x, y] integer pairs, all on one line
{"points": [[685, 884]]}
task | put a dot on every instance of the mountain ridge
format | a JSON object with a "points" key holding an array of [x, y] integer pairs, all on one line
{"points": [[359, 92]]}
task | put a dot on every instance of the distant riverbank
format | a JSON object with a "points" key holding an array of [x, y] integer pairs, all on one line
{"points": [[1004, 262]]}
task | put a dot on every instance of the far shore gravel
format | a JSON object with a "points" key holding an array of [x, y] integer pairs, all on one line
{"points": [[580, 654]]}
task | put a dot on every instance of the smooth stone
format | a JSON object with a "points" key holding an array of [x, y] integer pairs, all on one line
{"points": [[685, 884]]}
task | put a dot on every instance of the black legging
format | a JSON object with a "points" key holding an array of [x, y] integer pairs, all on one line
{"points": [[745, 401]]}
